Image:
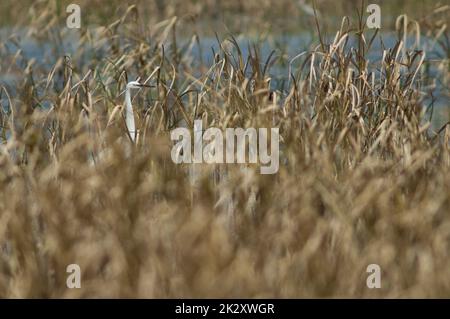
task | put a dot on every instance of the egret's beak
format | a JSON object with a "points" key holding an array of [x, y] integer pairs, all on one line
{"points": [[140, 85]]}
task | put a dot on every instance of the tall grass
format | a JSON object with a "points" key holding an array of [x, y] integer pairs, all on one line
{"points": [[363, 178]]}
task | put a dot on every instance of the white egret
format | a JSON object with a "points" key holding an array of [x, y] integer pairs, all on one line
{"points": [[129, 114], [129, 121]]}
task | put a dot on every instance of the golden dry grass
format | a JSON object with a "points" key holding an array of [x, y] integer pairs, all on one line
{"points": [[363, 178]]}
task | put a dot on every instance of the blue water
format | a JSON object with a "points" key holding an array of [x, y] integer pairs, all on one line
{"points": [[44, 53]]}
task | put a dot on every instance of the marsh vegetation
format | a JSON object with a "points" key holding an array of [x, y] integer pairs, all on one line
{"points": [[364, 174]]}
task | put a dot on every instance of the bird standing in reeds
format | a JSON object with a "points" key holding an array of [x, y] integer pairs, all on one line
{"points": [[129, 113]]}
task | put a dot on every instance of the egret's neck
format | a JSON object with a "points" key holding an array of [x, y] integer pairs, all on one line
{"points": [[128, 102], [129, 115]]}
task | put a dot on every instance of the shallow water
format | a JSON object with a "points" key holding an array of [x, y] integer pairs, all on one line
{"points": [[45, 53]]}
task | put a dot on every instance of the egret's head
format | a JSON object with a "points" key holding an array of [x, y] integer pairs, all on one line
{"points": [[136, 85]]}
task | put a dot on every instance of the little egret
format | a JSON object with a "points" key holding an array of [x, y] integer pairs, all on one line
{"points": [[129, 114]]}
